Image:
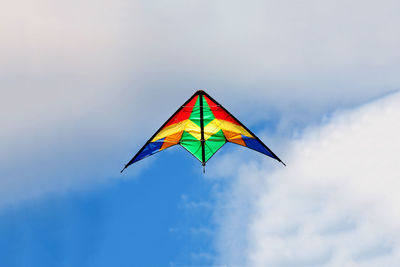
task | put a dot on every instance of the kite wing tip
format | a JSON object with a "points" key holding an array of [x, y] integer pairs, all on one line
{"points": [[122, 169], [283, 163]]}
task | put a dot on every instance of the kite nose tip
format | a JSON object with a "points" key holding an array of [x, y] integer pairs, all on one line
{"points": [[200, 91]]}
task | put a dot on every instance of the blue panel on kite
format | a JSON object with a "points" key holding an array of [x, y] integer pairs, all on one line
{"points": [[150, 149], [256, 145]]}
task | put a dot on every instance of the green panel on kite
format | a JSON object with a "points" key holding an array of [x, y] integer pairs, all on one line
{"points": [[214, 143], [191, 144], [195, 116], [208, 116]]}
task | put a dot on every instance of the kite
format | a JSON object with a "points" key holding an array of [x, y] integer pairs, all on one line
{"points": [[201, 126]]}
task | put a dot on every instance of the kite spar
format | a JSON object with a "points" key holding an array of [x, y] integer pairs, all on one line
{"points": [[201, 126]]}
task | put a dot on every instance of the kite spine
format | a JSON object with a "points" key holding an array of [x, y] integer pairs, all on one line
{"points": [[203, 152]]}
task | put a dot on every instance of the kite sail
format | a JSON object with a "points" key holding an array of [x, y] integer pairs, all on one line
{"points": [[201, 126]]}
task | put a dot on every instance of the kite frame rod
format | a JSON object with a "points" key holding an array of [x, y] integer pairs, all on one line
{"points": [[203, 149]]}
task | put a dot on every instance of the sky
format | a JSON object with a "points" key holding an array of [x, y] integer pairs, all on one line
{"points": [[85, 84]]}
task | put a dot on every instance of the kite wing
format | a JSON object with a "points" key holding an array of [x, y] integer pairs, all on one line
{"points": [[201, 126]]}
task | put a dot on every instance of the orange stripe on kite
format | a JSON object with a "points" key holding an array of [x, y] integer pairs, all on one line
{"points": [[234, 137], [171, 140]]}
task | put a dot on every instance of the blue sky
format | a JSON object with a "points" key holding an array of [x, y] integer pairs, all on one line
{"points": [[84, 85], [163, 216], [166, 211]]}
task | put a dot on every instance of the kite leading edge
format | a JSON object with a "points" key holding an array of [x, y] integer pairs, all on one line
{"points": [[201, 126]]}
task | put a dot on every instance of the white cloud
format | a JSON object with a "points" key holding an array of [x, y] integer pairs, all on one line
{"points": [[74, 75], [335, 204]]}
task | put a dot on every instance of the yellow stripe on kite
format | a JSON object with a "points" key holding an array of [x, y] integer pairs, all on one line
{"points": [[170, 130], [212, 128], [193, 129], [216, 125]]}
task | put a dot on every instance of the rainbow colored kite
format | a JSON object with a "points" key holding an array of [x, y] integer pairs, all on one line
{"points": [[201, 126]]}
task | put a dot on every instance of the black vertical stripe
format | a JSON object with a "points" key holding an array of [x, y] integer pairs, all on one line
{"points": [[202, 130]]}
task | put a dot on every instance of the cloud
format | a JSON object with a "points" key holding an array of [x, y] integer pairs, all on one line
{"points": [[74, 75], [335, 204]]}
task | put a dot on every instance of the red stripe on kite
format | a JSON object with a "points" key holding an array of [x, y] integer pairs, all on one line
{"points": [[184, 114], [220, 113]]}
